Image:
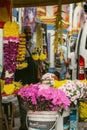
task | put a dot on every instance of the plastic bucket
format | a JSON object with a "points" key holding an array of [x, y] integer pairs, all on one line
{"points": [[63, 122], [44, 120]]}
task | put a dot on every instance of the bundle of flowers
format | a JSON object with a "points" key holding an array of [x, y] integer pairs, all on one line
{"points": [[41, 97], [48, 78], [37, 54], [75, 90], [11, 88], [52, 80]]}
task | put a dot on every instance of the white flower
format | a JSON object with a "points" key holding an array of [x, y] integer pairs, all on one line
{"points": [[75, 90]]}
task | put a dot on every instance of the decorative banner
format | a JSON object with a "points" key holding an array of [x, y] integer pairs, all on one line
{"points": [[40, 11], [29, 15]]}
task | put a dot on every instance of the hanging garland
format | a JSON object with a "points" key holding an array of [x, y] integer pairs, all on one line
{"points": [[39, 37], [21, 64], [37, 53], [10, 49], [58, 27]]}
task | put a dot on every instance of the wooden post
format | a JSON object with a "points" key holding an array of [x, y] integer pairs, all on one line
{"points": [[1, 109], [1, 116]]}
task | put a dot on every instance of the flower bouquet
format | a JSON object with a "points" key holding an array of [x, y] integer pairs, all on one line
{"points": [[42, 97]]}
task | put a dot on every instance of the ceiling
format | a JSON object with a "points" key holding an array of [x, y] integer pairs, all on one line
{"points": [[33, 3]]}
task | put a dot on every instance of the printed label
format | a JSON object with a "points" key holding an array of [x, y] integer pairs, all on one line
{"points": [[40, 125]]}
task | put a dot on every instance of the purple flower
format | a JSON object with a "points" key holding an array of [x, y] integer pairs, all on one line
{"points": [[10, 48]]}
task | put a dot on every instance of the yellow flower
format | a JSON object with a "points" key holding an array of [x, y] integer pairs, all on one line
{"points": [[58, 83], [9, 88], [22, 65], [11, 29], [18, 85], [42, 57], [35, 56], [84, 81], [82, 111]]}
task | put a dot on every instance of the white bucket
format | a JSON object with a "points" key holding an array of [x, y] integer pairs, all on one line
{"points": [[42, 120], [63, 122]]}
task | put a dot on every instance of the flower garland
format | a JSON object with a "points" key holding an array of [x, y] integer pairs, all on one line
{"points": [[37, 54], [21, 52], [10, 47], [58, 27], [39, 37]]}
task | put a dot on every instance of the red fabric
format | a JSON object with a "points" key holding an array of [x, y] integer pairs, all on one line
{"points": [[8, 5], [2, 24]]}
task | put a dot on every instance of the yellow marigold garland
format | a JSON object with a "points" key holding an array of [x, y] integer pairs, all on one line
{"points": [[21, 52], [21, 47], [11, 29]]}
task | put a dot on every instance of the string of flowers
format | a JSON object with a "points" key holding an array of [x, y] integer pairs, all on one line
{"points": [[39, 37], [21, 52], [10, 48], [58, 27]]}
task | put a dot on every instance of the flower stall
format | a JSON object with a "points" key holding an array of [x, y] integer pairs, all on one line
{"points": [[50, 95]]}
